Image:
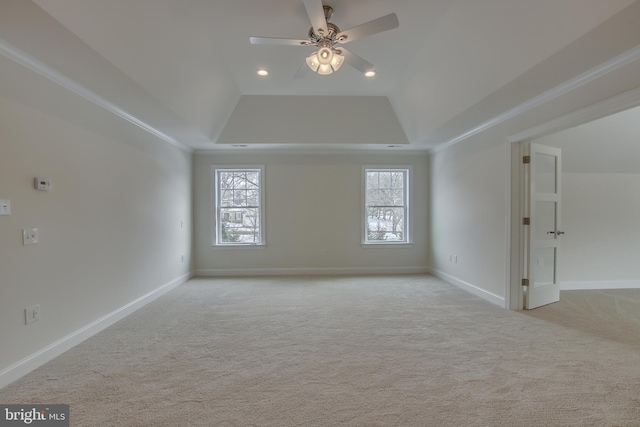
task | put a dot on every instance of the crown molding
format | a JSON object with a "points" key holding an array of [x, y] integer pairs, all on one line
{"points": [[596, 111], [46, 71], [404, 150], [613, 64]]}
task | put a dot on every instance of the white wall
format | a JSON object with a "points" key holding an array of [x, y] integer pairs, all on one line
{"points": [[468, 202], [471, 181], [471, 191], [110, 229], [313, 216], [600, 203], [600, 217]]}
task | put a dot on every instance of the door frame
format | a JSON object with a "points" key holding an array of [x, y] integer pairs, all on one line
{"points": [[514, 294]]}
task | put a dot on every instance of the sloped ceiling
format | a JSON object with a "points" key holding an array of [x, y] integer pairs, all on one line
{"points": [[186, 68]]}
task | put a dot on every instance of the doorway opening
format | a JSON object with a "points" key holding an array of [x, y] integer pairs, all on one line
{"points": [[607, 188]]}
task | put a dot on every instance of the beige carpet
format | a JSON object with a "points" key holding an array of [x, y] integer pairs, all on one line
{"points": [[351, 351]]}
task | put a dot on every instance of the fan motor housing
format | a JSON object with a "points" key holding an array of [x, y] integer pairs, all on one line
{"points": [[333, 31]]}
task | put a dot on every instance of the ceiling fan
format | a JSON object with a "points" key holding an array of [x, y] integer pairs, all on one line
{"points": [[328, 38]]}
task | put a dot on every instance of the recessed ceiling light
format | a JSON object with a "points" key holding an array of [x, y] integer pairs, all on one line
{"points": [[262, 72], [370, 73]]}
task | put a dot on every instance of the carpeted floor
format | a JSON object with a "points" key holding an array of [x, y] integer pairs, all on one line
{"points": [[351, 351]]}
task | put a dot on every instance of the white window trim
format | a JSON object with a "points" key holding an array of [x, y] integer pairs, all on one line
{"points": [[214, 208], [363, 215]]}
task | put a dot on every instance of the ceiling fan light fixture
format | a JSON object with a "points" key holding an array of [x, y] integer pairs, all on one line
{"points": [[312, 61], [326, 35], [337, 61], [325, 61], [325, 69], [325, 55]]}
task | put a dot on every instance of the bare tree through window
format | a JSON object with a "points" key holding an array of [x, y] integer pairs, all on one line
{"points": [[238, 206], [386, 205]]}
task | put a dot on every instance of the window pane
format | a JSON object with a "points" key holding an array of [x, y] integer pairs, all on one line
{"points": [[372, 179], [398, 197], [398, 180], [238, 207], [226, 198], [385, 205], [253, 198], [225, 179], [372, 197], [385, 224], [240, 225], [239, 198], [252, 180]]}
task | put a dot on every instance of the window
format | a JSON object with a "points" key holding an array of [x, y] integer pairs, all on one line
{"points": [[386, 205], [239, 213]]}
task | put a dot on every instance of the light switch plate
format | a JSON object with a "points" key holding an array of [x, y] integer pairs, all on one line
{"points": [[31, 314], [5, 207], [29, 236]]}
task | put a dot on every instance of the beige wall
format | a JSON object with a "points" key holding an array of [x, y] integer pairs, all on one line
{"points": [[313, 216], [110, 228]]}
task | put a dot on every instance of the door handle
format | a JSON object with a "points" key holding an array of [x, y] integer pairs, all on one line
{"points": [[559, 233], [551, 232]]}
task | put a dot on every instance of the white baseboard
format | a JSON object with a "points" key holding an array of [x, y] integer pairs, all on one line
{"points": [[600, 284], [42, 356], [219, 272], [486, 295]]}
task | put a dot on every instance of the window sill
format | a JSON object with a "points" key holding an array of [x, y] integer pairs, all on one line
{"points": [[238, 247], [394, 245]]}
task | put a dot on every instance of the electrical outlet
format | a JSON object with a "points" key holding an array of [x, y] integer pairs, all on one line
{"points": [[29, 236], [31, 314]]}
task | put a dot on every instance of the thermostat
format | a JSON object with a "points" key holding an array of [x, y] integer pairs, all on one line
{"points": [[43, 184]]}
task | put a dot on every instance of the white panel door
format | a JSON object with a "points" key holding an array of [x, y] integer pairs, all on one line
{"points": [[544, 235]]}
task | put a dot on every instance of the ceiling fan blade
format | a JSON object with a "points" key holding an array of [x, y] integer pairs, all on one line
{"points": [[316, 15], [355, 61], [384, 23], [285, 42]]}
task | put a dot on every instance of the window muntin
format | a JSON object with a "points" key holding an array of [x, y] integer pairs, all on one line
{"points": [[238, 206], [386, 205]]}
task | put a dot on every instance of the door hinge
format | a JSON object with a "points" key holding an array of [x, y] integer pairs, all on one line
{"points": [[526, 221], [526, 159], [525, 282]]}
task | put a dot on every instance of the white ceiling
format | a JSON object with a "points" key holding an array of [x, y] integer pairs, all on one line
{"points": [[186, 67]]}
